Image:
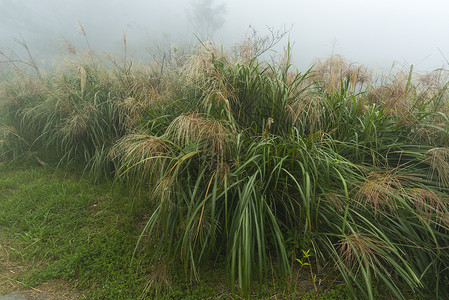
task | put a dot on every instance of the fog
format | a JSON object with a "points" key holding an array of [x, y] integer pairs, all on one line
{"points": [[374, 33]]}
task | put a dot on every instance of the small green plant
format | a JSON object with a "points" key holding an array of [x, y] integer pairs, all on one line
{"points": [[305, 262]]}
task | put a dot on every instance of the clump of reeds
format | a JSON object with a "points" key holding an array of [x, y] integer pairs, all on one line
{"points": [[396, 96], [334, 70], [201, 67], [309, 110], [236, 153], [209, 134]]}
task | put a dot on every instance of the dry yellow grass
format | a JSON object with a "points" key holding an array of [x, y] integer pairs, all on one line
{"points": [[428, 204], [360, 247], [309, 110], [438, 159], [333, 70], [210, 135], [379, 191], [139, 150]]}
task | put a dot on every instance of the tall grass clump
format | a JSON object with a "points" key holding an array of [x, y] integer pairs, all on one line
{"points": [[255, 163], [75, 113]]}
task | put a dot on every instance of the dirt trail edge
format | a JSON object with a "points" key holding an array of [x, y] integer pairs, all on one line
{"points": [[12, 289]]}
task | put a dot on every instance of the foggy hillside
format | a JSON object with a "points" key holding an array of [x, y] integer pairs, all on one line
{"points": [[376, 33]]}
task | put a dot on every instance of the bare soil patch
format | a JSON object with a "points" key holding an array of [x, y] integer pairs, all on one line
{"points": [[51, 290]]}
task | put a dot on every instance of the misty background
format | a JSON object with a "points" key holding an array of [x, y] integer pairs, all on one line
{"points": [[374, 33]]}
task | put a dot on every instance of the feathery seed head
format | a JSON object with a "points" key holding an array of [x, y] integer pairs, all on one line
{"points": [[360, 247], [210, 135], [438, 159], [379, 191]]}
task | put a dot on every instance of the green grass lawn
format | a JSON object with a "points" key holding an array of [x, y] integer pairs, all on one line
{"points": [[64, 227]]}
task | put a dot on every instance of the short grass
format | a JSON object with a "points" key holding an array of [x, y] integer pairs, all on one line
{"points": [[62, 226], [59, 225]]}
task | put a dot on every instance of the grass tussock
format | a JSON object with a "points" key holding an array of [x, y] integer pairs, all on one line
{"points": [[245, 160]]}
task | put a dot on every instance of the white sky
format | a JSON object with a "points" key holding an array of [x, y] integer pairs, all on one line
{"points": [[369, 32], [374, 33]]}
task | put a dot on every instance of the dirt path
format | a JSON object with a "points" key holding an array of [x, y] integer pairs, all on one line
{"points": [[9, 286]]}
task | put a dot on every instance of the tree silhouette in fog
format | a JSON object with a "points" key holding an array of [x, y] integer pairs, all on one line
{"points": [[206, 17]]}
